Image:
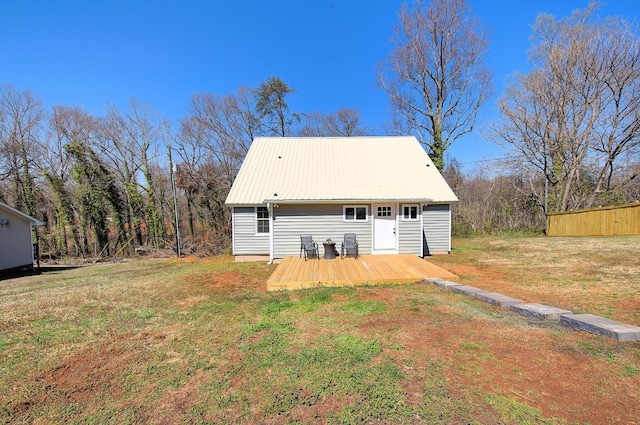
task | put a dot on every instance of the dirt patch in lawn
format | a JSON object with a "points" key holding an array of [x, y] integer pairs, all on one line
{"points": [[314, 411], [83, 378], [89, 377], [227, 280], [204, 260], [192, 301], [174, 406], [525, 361], [490, 280]]}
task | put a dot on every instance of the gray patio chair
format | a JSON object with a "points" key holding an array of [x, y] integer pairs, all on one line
{"points": [[308, 247], [350, 244]]}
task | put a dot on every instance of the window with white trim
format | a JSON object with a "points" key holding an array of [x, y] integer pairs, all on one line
{"points": [[355, 213], [410, 212], [262, 220]]}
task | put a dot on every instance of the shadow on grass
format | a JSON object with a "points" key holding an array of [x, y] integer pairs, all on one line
{"points": [[15, 274]]}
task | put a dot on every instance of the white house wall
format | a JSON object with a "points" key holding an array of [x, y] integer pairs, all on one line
{"points": [[321, 221], [16, 248], [436, 227], [245, 239], [409, 237]]}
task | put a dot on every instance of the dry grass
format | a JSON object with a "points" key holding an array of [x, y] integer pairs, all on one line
{"points": [[201, 341], [586, 275]]}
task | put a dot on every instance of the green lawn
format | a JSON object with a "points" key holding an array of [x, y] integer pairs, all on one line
{"points": [[200, 341]]}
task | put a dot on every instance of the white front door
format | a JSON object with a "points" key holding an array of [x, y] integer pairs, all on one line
{"points": [[384, 228]]}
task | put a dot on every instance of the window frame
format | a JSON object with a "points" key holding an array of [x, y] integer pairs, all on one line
{"points": [[262, 219], [404, 217], [355, 214], [386, 211]]}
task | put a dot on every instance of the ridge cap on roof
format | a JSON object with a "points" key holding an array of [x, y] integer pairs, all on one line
{"points": [[332, 137]]}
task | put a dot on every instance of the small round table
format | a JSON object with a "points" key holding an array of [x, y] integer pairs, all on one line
{"points": [[329, 250]]}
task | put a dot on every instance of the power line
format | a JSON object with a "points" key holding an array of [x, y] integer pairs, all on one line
{"points": [[487, 160]]}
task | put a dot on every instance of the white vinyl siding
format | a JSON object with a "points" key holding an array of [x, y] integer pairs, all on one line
{"points": [[409, 237], [321, 221], [436, 228], [245, 239], [409, 230], [16, 247]]}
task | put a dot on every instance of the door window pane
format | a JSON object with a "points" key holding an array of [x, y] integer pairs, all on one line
{"points": [[384, 211]]}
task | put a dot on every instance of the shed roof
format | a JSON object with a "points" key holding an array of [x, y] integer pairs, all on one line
{"points": [[337, 169], [27, 217]]}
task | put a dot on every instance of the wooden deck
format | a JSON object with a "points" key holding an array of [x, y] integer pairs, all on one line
{"points": [[295, 273]]}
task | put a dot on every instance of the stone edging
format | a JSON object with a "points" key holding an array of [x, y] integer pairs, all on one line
{"points": [[584, 322]]}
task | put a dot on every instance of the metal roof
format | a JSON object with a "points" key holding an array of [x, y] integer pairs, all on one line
{"points": [[337, 169]]}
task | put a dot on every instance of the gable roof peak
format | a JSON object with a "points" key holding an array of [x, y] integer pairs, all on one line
{"points": [[334, 169]]}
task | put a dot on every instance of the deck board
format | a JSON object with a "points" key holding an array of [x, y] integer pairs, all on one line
{"points": [[295, 273]]}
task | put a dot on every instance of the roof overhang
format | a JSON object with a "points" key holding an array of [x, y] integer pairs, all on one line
{"points": [[274, 201], [33, 221], [346, 201]]}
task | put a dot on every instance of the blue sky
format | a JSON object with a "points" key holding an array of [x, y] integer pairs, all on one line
{"points": [[94, 53]]}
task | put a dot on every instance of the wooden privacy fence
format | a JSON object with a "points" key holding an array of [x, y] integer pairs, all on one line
{"points": [[619, 220]]}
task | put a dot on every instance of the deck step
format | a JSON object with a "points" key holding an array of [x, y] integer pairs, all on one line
{"points": [[540, 311], [500, 300], [602, 326]]}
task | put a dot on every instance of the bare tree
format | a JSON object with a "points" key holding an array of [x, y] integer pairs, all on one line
{"points": [[21, 119], [573, 117], [313, 125], [147, 131], [343, 123], [492, 203], [191, 147], [227, 126], [212, 142], [122, 154], [435, 76]]}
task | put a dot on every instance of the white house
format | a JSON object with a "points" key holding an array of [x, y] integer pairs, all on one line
{"points": [[16, 243], [384, 189]]}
